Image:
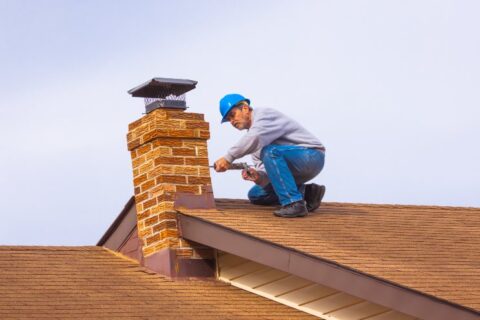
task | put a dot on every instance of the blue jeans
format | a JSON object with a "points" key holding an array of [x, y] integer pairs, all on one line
{"points": [[288, 168]]}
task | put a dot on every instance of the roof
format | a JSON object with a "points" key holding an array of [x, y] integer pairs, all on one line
{"points": [[432, 250], [95, 283]]}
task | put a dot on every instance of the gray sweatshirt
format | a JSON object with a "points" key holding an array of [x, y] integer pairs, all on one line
{"points": [[270, 126]]}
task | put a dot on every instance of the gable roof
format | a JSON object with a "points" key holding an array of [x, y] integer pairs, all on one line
{"points": [[95, 283], [423, 251]]}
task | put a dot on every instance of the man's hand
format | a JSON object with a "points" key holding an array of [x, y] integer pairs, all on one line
{"points": [[250, 175], [221, 165]]}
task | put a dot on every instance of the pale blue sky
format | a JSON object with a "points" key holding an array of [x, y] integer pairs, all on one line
{"points": [[390, 87]]}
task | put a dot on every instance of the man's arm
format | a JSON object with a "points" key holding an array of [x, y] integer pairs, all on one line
{"points": [[268, 126]]}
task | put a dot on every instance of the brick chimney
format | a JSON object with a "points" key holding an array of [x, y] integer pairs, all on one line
{"points": [[169, 154]]}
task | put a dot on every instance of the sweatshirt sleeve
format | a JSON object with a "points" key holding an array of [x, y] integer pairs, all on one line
{"points": [[268, 126]]}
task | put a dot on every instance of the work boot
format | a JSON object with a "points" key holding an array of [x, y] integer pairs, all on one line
{"points": [[292, 210], [313, 196]]}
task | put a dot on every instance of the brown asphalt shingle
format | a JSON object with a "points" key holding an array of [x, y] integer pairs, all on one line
{"points": [[435, 250], [94, 283]]}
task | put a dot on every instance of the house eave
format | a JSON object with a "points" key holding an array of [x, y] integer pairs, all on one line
{"points": [[322, 271]]}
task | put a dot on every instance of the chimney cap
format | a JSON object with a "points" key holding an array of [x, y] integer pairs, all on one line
{"points": [[163, 87]]}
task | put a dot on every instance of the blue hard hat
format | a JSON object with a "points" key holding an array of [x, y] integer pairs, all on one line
{"points": [[228, 102]]}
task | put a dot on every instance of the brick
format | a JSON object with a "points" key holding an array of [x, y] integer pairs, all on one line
{"points": [[159, 114], [162, 188], [165, 224], [141, 197], [138, 161], [204, 172], [149, 240], [173, 243], [168, 233], [149, 203], [135, 173], [160, 241], [172, 113], [144, 168], [158, 151], [171, 179], [133, 144], [165, 243], [184, 252], [192, 143], [137, 190], [130, 137], [199, 180], [171, 124], [167, 142], [143, 214], [196, 161], [201, 152], [184, 152], [166, 197], [146, 232], [188, 189], [167, 215], [150, 221], [185, 115], [147, 137], [138, 132], [197, 125], [147, 185], [169, 160], [184, 170], [160, 170], [163, 207], [144, 149], [204, 134], [133, 154], [182, 133]]}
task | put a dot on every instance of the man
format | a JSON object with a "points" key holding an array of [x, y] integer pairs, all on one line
{"points": [[284, 153]]}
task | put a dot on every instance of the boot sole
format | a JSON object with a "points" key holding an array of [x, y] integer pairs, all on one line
{"points": [[299, 215]]}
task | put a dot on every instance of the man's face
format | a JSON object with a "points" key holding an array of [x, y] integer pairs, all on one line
{"points": [[240, 117]]}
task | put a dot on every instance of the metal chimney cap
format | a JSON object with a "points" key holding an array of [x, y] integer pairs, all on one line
{"points": [[163, 87]]}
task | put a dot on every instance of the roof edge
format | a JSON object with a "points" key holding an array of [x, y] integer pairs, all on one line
{"points": [[117, 221], [322, 271]]}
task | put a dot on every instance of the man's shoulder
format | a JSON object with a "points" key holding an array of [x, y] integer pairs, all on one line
{"points": [[265, 111]]}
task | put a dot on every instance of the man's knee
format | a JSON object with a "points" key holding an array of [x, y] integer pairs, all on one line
{"points": [[268, 152], [257, 195]]}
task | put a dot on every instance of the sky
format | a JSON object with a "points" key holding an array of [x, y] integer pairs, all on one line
{"points": [[390, 87]]}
